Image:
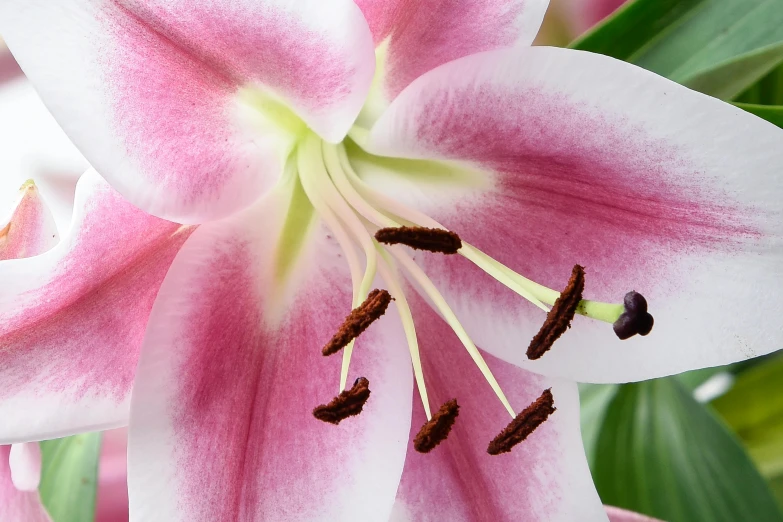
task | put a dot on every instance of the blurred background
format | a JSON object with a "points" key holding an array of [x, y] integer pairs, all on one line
{"points": [[705, 446]]}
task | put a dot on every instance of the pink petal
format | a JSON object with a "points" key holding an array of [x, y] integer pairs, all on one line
{"points": [[569, 157], [545, 477], [72, 319], [231, 369], [156, 90], [429, 33], [31, 229], [621, 515], [112, 495], [25, 463], [15, 505]]}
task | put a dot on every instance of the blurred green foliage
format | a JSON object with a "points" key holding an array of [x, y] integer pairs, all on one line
{"points": [[69, 477]]}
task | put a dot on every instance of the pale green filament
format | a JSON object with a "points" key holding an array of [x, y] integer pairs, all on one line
{"points": [[530, 290], [406, 317], [309, 166], [360, 234], [445, 311]]}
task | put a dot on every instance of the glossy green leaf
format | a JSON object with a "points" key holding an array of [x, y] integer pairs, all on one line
{"points": [[754, 410], [771, 113], [660, 452], [594, 399], [69, 477], [720, 47]]}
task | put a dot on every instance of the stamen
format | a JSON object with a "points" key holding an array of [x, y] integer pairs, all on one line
{"points": [[388, 270], [446, 312], [524, 424], [559, 318], [359, 320], [421, 238], [635, 319], [438, 428], [347, 404]]}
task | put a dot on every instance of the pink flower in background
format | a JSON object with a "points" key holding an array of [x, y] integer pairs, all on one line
{"points": [[30, 231], [112, 494], [281, 127], [590, 12], [621, 515]]}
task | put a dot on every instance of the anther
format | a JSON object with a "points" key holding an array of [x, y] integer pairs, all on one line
{"points": [[524, 424], [347, 404], [438, 428], [559, 318], [421, 238], [359, 320], [635, 319]]}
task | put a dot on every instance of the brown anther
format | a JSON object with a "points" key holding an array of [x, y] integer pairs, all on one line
{"points": [[359, 320], [559, 318], [524, 424], [421, 238], [347, 404], [437, 428]]}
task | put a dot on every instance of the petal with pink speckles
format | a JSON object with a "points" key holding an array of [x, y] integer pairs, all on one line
{"points": [[545, 477], [572, 158], [190, 109], [231, 369], [72, 319], [16, 505], [425, 34]]}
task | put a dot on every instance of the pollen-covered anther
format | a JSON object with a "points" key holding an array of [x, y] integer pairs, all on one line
{"points": [[437, 428], [559, 318], [359, 320], [421, 238], [347, 404], [524, 424], [635, 319]]}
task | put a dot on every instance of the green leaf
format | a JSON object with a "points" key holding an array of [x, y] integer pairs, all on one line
{"points": [[720, 47], [69, 477], [754, 409], [662, 453], [771, 113], [594, 399]]}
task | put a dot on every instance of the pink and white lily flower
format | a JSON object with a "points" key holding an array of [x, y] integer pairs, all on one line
{"points": [[31, 231], [301, 133]]}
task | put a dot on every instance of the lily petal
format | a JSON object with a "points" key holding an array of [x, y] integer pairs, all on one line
{"points": [[429, 33], [578, 158], [15, 505], [231, 369], [217, 77], [31, 229], [545, 477], [72, 319], [25, 463]]}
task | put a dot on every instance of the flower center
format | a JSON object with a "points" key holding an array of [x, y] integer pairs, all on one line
{"points": [[381, 227]]}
